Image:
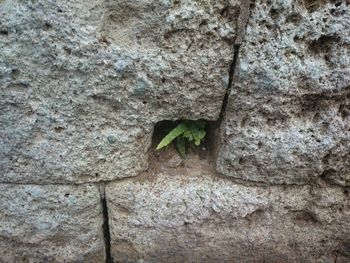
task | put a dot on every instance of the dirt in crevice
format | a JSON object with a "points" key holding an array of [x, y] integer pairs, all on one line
{"points": [[198, 159]]}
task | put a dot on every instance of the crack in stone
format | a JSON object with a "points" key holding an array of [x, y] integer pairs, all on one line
{"points": [[242, 22], [230, 81], [105, 226]]}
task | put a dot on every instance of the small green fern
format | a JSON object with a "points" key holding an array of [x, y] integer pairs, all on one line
{"points": [[186, 130]]}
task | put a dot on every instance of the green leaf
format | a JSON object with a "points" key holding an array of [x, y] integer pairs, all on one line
{"points": [[199, 135], [202, 134], [181, 146], [187, 130], [188, 134], [193, 130], [177, 131]]}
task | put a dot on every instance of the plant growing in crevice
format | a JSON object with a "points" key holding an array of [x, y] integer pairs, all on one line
{"points": [[185, 133]]}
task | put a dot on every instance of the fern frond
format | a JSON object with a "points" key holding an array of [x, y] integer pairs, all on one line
{"points": [[196, 128], [198, 136], [188, 134], [187, 130], [193, 130], [177, 131]]}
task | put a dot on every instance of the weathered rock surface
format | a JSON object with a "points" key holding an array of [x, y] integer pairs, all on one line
{"points": [[288, 118], [205, 219], [83, 82], [50, 224], [82, 85]]}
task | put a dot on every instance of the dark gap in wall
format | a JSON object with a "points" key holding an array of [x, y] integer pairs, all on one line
{"points": [[230, 81], [105, 226], [162, 128], [169, 158]]}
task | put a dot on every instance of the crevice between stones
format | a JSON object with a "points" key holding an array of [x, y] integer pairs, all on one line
{"points": [[242, 22], [230, 81], [105, 226], [143, 177]]}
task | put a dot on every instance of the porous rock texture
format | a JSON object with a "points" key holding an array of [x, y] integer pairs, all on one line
{"points": [[288, 117], [84, 82], [199, 218], [50, 224]]}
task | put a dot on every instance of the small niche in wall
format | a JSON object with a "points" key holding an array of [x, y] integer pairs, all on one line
{"points": [[197, 150]]}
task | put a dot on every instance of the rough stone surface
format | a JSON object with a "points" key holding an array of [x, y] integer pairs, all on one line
{"points": [[50, 224], [205, 219], [83, 82], [288, 118]]}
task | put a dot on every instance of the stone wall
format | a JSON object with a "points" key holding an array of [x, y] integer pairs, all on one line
{"points": [[84, 86]]}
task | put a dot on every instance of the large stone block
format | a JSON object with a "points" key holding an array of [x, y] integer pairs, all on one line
{"points": [[184, 218], [84, 82], [288, 117], [50, 224]]}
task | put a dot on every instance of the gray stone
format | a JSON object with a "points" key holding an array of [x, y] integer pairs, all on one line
{"points": [[288, 117], [50, 224], [82, 85], [201, 218], [73, 73]]}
